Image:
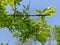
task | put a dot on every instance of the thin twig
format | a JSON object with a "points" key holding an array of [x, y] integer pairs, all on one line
{"points": [[32, 15], [27, 15]]}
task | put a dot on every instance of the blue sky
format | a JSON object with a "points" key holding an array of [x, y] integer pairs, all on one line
{"points": [[5, 35]]}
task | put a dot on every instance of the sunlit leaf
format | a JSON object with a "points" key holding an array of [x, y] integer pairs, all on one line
{"points": [[10, 2], [49, 11]]}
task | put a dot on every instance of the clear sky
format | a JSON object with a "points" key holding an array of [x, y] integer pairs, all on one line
{"points": [[5, 35]]}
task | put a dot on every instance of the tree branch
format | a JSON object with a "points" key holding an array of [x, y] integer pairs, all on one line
{"points": [[29, 15]]}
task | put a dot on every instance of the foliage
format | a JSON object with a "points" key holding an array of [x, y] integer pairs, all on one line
{"points": [[9, 2], [48, 11], [57, 34], [24, 27]]}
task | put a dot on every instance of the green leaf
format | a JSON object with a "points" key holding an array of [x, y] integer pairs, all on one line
{"points": [[18, 1], [38, 11], [15, 34], [10, 2], [49, 11]]}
